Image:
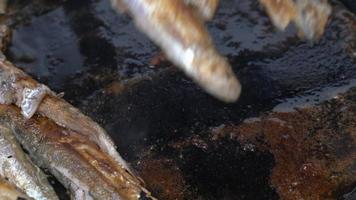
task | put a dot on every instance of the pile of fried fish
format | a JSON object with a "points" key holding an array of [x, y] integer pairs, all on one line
{"points": [[74, 148]]}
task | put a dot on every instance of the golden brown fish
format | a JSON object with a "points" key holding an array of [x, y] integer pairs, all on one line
{"points": [[18, 88], [176, 28], [310, 16], [72, 146]]}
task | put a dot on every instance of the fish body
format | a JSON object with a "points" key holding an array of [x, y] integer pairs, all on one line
{"points": [[75, 149], [78, 163], [16, 167], [310, 16], [175, 27], [16, 87]]}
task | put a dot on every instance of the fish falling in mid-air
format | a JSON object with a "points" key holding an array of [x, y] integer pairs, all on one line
{"points": [[177, 26]]}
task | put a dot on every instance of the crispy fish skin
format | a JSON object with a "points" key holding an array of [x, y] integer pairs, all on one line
{"points": [[174, 26], [310, 16], [77, 162], [16, 87], [20, 171]]}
